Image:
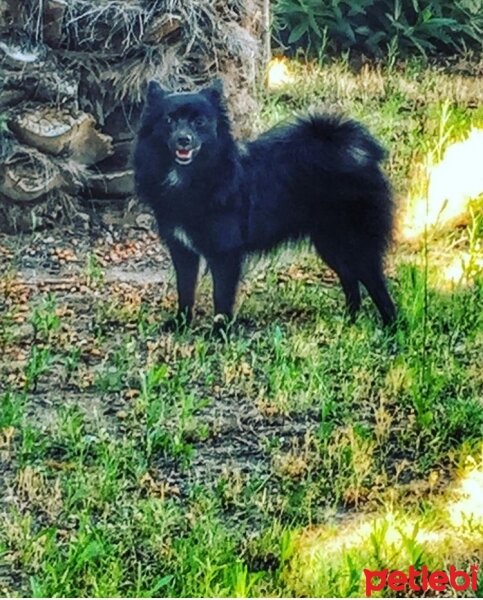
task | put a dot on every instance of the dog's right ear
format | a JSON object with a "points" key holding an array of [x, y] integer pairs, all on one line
{"points": [[155, 93], [215, 91]]}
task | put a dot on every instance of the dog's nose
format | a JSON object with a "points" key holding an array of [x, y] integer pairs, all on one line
{"points": [[184, 140]]}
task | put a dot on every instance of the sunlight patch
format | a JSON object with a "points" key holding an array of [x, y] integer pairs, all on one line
{"points": [[468, 508], [461, 270], [452, 183], [329, 556], [278, 73]]}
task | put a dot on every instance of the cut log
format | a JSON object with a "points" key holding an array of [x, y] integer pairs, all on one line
{"points": [[110, 184], [61, 132], [27, 88], [27, 176], [122, 123], [120, 160], [52, 86], [48, 84], [53, 17], [9, 96], [7, 142]]}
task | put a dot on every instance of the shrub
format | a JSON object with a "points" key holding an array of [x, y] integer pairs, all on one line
{"points": [[379, 27]]}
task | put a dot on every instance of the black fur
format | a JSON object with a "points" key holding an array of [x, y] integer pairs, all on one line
{"points": [[318, 178]]}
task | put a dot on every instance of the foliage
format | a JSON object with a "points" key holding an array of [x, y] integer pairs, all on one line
{"points": [[380, 27]]}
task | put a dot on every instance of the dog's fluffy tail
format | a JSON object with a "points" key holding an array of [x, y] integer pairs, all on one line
{"points": [[348, 145], [343, 150]]}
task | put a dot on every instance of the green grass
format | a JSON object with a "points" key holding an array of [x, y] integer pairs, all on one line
{"points": [[282, 461]]}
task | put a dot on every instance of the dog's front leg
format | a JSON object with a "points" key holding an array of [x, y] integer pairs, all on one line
{"points": [[186, 264], [225, 269]]}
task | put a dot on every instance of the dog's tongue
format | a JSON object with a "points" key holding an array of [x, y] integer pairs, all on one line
{"points": [[183, 153]]}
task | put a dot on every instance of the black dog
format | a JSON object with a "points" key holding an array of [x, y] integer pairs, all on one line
{"points": [[319, 177]]}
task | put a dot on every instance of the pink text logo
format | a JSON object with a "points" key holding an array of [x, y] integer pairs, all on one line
{"points": [[423, 580]]}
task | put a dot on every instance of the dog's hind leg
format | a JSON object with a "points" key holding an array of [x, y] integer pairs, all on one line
{"points": [[352, 292], [352, 269], [348, 280], [374, 281]]}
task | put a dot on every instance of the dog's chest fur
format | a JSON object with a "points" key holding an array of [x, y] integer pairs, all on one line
{"points": [[173, 179], [180, 234]]}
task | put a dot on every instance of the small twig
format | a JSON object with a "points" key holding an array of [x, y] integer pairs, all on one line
{"points": [[246, 442], [51, 282]]}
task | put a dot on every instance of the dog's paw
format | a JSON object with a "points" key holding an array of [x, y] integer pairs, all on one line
{"points": [[176, 324], [222, 325]]}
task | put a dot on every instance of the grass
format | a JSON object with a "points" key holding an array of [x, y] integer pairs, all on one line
{"points": [[282, 461]]}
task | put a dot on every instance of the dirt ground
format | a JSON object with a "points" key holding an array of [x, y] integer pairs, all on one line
{"points": [[128, 253]]}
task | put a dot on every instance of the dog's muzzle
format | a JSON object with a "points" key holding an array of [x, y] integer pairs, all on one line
{"points": [[184, 156]]}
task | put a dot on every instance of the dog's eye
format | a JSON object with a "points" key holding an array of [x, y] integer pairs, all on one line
{"points": [[200, 121], [169, 120]]}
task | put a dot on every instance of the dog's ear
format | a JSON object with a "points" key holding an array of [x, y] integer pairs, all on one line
{"points": [[155, 93], [217, 86], [215, 92]]}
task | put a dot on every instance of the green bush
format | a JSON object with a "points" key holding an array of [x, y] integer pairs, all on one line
{"points": [[379, 27]]}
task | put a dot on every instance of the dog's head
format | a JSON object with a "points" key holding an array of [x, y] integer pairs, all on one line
{"points": [[187, 123]]}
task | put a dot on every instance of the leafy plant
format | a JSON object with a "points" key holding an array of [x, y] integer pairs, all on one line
{"points": [[379, 27]]}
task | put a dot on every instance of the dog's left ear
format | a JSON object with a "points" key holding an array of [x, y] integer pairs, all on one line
{"points": [[215, 91], [155, 93]]}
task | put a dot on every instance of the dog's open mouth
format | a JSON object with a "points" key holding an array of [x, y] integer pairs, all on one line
{"points": [[184, 155]]}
